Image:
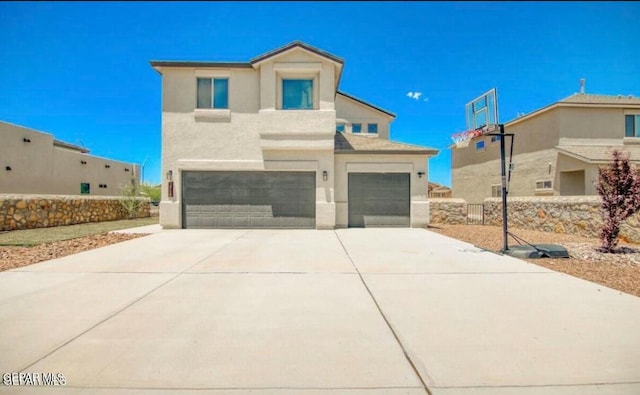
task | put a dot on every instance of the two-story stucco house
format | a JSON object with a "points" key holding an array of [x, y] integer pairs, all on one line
{"points": [[273, 143], [557, 149]]}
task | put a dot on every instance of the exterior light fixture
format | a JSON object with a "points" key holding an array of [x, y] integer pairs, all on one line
{"points": [[170, 175], [26, 140], [107, 166], [325, 175], [420, 174], [84, 162], [8, 168]]}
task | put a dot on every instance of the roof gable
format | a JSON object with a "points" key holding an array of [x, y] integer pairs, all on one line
{"points": [[367, 104], [293, 45], [347, 143]]}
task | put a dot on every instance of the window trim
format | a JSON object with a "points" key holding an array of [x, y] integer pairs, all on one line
{"points": [[303, 74], [213, 82], [635, 116]]}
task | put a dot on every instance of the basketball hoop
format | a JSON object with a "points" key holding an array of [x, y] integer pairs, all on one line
{"points": [[462, 139]]}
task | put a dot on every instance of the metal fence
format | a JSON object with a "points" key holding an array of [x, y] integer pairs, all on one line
{"points": [[475, 214]]}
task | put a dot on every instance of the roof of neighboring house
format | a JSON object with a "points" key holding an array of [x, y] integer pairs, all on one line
{"points": [[294, 44], [70, 146], [389, 113], [598, 153], [438, 187], [582, 99], [348, 143], [182, 63]]}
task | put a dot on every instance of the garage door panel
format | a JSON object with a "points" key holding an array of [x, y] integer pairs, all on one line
{"points": [[379, 200], [248, 200]]}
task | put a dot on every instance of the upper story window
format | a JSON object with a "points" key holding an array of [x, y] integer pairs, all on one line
{"points": [[480, 145], [372, 128], [297, 94], [213, 93], [495, 138], [632, 125], [356, 128], [340, 127]]}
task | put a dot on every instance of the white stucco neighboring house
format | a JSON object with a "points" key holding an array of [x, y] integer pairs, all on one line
{"points": [[273, 143]]}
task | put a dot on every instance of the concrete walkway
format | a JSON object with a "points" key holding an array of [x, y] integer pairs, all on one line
{"points": [[357, 311]]}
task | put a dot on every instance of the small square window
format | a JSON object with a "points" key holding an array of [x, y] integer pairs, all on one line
{"points": [[480, 145], [356, 128], [372, 128], [213, 93], [85, 188], [340, 127], [632, 125], [495, 138], [545, 184], [496, 190], [297, 94]]}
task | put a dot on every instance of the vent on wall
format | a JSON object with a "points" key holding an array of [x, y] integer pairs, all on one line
{"points": [[26, 140], [84, 162], [107, 166]]}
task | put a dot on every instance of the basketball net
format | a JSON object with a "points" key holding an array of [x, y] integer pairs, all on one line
{"points": [[462, 139]]}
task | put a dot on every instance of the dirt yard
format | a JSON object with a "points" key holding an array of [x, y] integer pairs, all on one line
{"points": [[619, 271]]}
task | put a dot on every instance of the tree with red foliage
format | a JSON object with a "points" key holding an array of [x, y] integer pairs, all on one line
{"points": [[619, 187]]}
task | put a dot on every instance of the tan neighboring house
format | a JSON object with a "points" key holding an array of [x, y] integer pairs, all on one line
{"points": [[557, 149], [273, 143], [33, 162], [438, 191]]}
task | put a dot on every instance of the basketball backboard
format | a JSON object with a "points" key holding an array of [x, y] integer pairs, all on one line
{"points": [[482, 111]]}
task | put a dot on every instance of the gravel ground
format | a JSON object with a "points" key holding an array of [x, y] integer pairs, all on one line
{"points": [[619, 271], [14, 257]]}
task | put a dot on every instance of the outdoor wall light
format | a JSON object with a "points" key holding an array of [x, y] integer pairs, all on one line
{"points": [[84, 162], [420, 174], [325, 175], [8, 168], [107, 166], [26, 140], [125, 169], [170, 175]]}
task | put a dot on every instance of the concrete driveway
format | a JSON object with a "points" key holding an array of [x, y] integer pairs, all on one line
{"points": [[354, 311]]}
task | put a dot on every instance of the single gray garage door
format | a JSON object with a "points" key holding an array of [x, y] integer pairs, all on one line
{"points": [[248, 199], [378, 200]]}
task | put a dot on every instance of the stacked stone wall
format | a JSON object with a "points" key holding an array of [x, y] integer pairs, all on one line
{"points": [[41, 211], [447, 211]]}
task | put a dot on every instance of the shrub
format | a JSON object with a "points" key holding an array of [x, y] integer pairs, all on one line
{"points": [[130, 199], [619, 187]]}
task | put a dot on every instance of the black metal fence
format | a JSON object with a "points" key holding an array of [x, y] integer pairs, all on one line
{"points": [[475, 214]]}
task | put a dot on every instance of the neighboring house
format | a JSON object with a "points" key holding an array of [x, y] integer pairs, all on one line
{"points": [[272, 143], [33, 162], [557, 149], [438, 191]]}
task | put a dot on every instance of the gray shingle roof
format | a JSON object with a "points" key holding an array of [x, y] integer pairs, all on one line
{"points": [[583, 98], [599, 153], [347, 143]]}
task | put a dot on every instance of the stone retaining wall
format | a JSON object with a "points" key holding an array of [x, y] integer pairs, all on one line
{"points": [[579, 215], [447, 211], [41, 211]]}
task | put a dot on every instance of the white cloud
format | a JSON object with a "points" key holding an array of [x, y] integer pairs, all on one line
{"points": [[414, 95]]}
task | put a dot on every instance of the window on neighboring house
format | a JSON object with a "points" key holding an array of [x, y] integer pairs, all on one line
{"points": [[632, 125], [543, 184], [496, 190], [213, 93], [297, 94], [356, 128], [495, 138], [480, 145], [85, 188], [372, 128], [340, 127]]}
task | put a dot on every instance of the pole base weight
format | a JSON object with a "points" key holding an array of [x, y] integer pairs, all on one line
{"points": [[535, 251]]}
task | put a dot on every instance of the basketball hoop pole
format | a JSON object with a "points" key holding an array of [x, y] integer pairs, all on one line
{"points": [[505, 245]]}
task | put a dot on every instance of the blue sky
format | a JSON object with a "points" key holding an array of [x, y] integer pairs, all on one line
{"points": [[80, 71]]}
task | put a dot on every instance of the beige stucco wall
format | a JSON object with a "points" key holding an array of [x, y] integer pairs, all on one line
{"points": [[355, 112], [359, 163], [40, 167], [589, 123]]}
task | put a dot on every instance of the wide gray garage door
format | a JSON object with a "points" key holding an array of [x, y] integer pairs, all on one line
{"points": [[379, 199], [248, 199]]}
